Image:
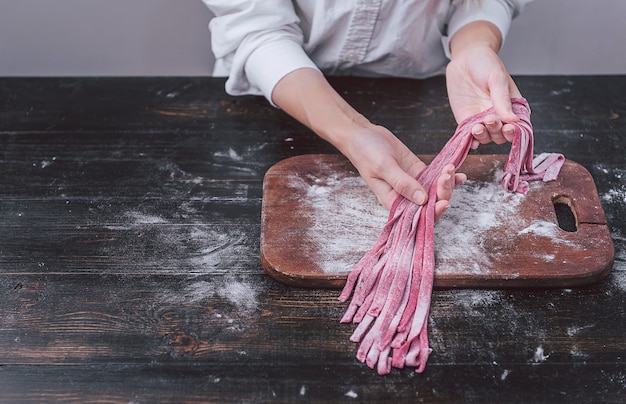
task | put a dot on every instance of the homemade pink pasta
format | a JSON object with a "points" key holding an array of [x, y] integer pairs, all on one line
{"points": [[391, 285]]}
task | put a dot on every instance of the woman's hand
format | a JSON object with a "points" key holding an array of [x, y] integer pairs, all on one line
{"points": [[477, 80], [388, 167]]}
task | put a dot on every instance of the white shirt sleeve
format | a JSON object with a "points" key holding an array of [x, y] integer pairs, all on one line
{"points": [[256, 43], [498, 12]]}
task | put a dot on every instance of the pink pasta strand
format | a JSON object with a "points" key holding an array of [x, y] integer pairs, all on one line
{"points": [[391, 286]]}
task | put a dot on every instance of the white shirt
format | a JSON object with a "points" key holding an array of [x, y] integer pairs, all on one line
{"points": [[258, 42]]}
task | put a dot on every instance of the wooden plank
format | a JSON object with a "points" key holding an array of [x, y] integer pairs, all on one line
{"points": [[233, 338], [231, 316], [132, 235], [253, 381], [314, 204]]}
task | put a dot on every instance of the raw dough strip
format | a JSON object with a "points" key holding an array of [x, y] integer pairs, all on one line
{"points": [[391, 286]]}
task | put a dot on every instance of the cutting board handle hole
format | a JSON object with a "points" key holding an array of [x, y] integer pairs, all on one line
{"points": [[565, 213]]}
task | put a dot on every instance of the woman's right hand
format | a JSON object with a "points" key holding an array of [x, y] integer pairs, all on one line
{"points": [[390, 169]]}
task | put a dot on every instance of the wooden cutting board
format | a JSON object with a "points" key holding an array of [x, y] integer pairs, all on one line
{"points": [[319, 218]]}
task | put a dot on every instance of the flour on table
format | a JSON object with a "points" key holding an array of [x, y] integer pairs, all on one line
{"points": [[539, 355], [241, 161], [185, 244], [351, 394], [239, 293], [138, 218]]}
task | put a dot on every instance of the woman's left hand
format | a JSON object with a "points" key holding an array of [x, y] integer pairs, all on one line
{"points": [[477, 80]]}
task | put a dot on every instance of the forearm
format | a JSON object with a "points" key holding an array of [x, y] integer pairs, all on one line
{"points": [[306, 95], [475, 34]]}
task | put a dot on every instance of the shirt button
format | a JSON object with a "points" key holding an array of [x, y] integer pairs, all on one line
{"points": [[352, 56]]}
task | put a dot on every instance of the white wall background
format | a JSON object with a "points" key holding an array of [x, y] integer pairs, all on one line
{"points": [[104, 37], [170, 37]]}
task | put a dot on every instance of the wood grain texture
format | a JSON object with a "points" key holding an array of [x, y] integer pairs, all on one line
{"points": [[130, 237]]}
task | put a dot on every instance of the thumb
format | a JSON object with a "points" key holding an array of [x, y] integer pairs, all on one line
{"points": [[501, 99], [408, 187]]}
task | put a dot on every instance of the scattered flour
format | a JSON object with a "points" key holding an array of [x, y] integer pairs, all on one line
{"points": [[461, 234], [549, 230], [575, 330], [539, 355], [182, 245], [341, 239], [230, 153], [347, 220], [619, 271], [615, 195], [352, 394], [47, 163], [546, 229], [576, 353], [242, 161], [471, 299], [138, 218], [239, 293]]}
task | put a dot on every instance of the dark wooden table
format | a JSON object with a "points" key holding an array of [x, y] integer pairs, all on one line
{"points": [[129, 253]]}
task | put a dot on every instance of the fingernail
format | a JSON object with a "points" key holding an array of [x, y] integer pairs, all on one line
{"points": [[419, 197]]}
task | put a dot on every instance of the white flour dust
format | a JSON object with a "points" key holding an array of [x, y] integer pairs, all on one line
{"points": [[138, 218], [546, 229], [241, 294], [241, 161], [617, 194], [477, 299], [347, 219], [475, 208], [185, 244], [351, 394], [539, 355]]}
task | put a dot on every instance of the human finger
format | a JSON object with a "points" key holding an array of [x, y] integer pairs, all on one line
{"points": [[501, 98], [440, 208], [494, 126], [480, 134], [447, 181], [400, 183], [508, 131]]}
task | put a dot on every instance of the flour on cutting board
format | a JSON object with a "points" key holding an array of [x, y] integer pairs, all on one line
{"points": [[346, 220], [475, 208], [341, 238]]}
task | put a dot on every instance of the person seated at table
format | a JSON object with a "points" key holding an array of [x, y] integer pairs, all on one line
{"points": [[281, 49]]}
